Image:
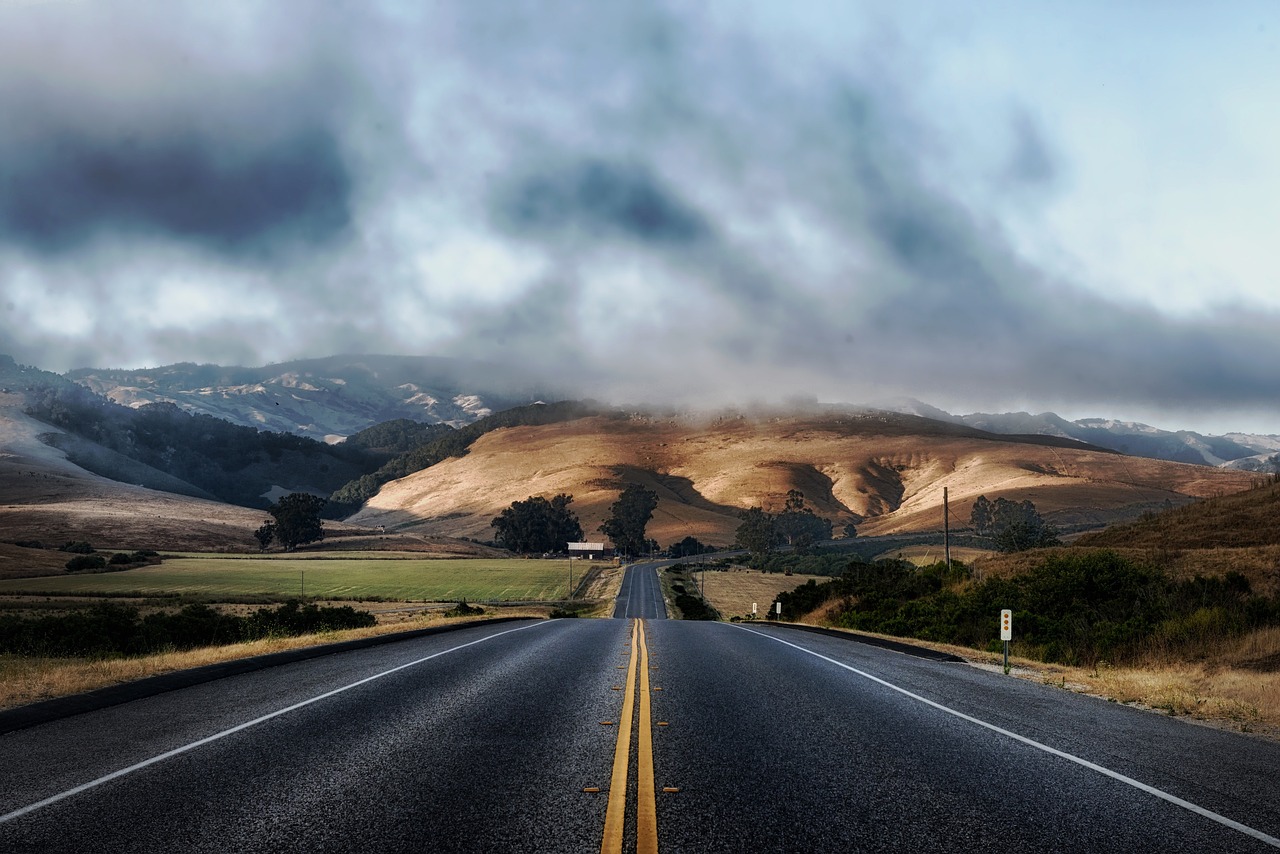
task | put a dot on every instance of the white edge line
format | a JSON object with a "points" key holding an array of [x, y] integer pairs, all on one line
{"points": [[1115, 775], [83, 787]]}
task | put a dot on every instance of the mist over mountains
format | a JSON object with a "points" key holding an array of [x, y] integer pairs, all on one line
{"points": [[425, 476], [326, 399], [1242, 451], [330, 398]]}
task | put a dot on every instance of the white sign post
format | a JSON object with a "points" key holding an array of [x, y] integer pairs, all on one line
{"points": [[753, 609], [779, 604], [1006, 635]]}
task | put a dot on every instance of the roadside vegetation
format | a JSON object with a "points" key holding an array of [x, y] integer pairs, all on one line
{"points": [[1075, 607], [109, 629], [31, 678], [1179, 611], [680, 584]]}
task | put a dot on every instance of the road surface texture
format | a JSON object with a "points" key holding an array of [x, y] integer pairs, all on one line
{"points": [[632, 735]]}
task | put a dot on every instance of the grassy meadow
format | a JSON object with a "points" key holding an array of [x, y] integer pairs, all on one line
{"points": [[229, 578]]}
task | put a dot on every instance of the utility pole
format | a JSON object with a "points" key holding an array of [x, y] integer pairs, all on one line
{"points": [[946, 528]]}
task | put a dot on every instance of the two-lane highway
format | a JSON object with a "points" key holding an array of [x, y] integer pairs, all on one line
{"points": [[641, 594], [632, 735]]}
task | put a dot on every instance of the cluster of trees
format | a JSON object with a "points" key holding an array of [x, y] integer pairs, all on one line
{"points": [[538, 525], [691, 547], [541, 525], [1012, 526], [295, 521], [797, 526]]}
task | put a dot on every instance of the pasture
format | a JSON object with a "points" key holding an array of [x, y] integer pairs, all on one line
{"points": [[232, 578]]}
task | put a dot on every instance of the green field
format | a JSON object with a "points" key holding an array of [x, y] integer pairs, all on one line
{"points": [[233, 577]]}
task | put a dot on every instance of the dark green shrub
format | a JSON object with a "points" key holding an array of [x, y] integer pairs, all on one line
{"points": [[83, 562], [462, 609]]}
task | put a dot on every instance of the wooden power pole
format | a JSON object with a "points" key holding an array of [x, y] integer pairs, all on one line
{"points": [[946, 528]]}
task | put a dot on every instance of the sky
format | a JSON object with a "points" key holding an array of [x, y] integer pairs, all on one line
{"points": [[1065, 206]]}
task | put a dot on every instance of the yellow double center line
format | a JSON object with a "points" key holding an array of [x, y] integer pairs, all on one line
{"points": [[646, 803]]}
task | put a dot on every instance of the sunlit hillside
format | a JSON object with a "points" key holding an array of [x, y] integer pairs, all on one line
{"points": [[883, 473]]}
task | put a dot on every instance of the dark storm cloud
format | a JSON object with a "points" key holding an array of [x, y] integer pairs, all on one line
{"points": [[596, 198], [231, 195]]}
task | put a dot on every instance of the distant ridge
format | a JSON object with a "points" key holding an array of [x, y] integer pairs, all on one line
{"points": [[1242, 451], [327, 398]]}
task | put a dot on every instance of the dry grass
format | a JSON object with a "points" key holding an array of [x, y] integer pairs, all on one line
{"points": [[1238, 520], [29, 680], [929, 555], [732, 593]]}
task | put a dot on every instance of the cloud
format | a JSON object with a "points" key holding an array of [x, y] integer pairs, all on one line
{"points": [[644, 201], [237, 196], [596, 198]]}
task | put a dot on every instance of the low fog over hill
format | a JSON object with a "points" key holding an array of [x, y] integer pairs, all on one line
{"points": [[337, 396]]}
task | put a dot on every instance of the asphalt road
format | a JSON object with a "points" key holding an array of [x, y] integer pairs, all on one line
{"points": [[641, 594], [485, 739]]}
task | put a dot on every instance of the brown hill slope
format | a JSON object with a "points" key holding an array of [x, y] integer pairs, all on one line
{"points": [[1240, 520], [884, 473]]}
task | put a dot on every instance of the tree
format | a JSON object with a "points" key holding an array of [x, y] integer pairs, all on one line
{"points": [[688, 547], [265, 534], [799, 526], [538, 525], [297, 520], [850, 531], [628, 517], [1013, 526], [757, 534]]}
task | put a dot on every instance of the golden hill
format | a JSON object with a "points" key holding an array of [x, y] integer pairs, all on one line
{"points": [[884, 473]]}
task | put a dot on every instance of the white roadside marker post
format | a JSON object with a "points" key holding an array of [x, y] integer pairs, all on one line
{"points": [[1006, 635]]}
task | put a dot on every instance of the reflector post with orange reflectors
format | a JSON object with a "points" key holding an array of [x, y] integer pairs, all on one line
{"points": [[1006, 635]]}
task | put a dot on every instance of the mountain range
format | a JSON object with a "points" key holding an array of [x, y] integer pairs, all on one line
{"points": [[337, 396], [75, 464], [327, 399]]}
